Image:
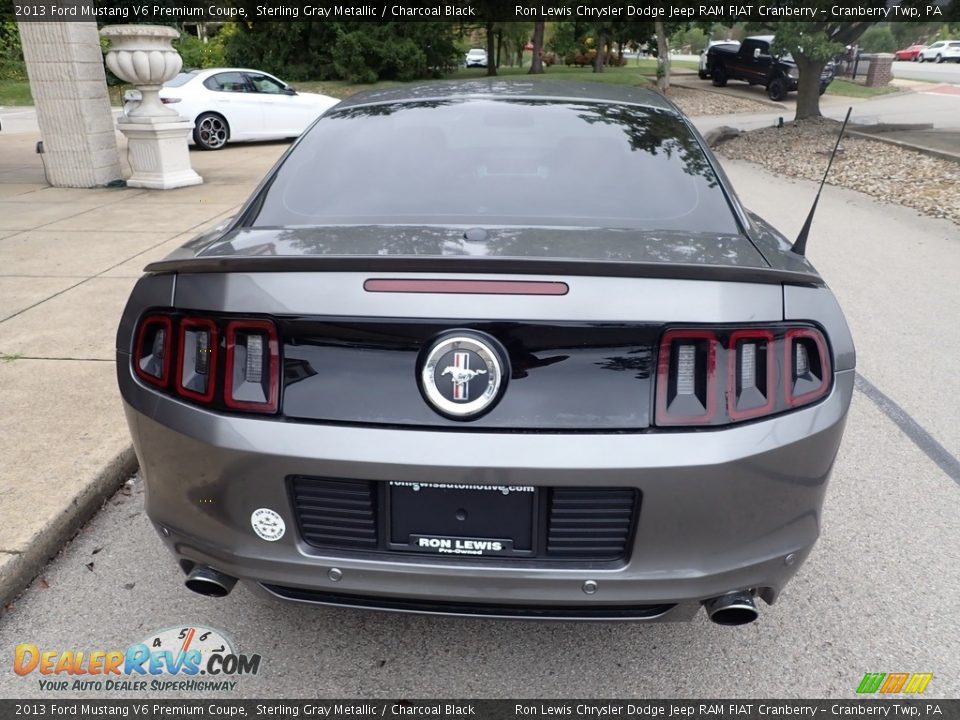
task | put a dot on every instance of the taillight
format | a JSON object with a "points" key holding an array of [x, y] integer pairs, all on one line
{"points": [[717, 376], [807, 366], [253, 366], [197, 359], [220, 362], [151, 354], [751, 375], [687, 378]]}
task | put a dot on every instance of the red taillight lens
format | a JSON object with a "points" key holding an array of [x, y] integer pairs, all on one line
{"points": [[687, 378], [151, 354], [717, 376], [751, 374], [253, 366], [806, 366], [197, 359]]}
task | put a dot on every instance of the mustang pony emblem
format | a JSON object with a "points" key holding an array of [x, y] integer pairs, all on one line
{"points": [[461, 374]]}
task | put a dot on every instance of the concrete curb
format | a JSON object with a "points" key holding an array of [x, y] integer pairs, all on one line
{"points": [[17, 573], [943, 154]]}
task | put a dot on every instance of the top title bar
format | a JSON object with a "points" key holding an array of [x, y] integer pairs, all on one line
{"points": [[476, 11]]}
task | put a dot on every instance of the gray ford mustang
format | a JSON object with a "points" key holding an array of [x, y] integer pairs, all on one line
{"points": [[491, 348]]}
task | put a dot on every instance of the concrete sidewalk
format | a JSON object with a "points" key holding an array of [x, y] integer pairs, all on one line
{"points": [[68, 259]]}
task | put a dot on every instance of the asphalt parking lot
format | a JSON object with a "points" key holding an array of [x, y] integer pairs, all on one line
{"points": [[881, 592]]}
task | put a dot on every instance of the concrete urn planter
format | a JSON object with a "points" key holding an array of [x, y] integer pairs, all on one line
{"points": [[143, 56], [156, 134]]}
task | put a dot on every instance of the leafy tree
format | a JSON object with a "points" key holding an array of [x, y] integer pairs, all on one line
{"points": [[813, 45]]}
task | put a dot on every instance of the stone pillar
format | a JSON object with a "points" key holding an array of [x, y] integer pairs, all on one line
{"points": [[69, 87], [880, 71]]}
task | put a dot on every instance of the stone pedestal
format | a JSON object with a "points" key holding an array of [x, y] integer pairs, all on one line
{"points": [[159, 155], [69, 88], [157, 135]]}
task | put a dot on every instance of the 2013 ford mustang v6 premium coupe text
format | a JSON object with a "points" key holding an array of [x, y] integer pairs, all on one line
{"points": [[490, 348]]}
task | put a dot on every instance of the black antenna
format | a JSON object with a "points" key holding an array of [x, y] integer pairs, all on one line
{"points": [[800, 246]]}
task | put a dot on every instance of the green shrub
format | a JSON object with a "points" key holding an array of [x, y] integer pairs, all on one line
{"points": [[878, 40], [12, 66], [199, 54]]}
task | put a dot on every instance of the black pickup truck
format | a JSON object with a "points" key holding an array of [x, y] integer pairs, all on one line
{"points": [[753, 62]]}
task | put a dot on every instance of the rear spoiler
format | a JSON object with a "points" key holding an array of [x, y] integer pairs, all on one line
{"points": [[486, 265]]}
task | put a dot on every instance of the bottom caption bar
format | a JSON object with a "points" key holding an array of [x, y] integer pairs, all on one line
{"points": [[487, 709]]}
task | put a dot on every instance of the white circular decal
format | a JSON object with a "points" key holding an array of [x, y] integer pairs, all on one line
{"points": [[267, 524]]}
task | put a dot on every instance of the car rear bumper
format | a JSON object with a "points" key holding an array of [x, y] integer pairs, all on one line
{"points": [[721, 511]]}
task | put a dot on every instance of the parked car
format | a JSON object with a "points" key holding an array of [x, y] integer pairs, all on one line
{"points": [[941, 51], [909, 53], [703, 72], [233, 104], [754, 62], [423, 370], [476, 57]]}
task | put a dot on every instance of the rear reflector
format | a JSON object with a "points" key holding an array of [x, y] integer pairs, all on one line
{"points": [[253, 366], [466, 287], [151, 355]]}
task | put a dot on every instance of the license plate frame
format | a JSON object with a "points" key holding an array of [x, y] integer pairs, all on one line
{"points": [[501, 521]]}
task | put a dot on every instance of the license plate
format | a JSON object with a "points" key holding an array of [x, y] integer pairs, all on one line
{"points": [[462, 520]]}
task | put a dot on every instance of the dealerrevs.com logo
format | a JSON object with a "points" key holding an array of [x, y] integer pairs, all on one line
{"points": [[180, 659]]}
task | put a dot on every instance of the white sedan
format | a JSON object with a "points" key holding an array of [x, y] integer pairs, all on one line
{"points": [[227, 104], [940, 51]]}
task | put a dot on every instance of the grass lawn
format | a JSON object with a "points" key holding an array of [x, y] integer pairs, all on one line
{"points": [[627, 75], [852, 89], [15, 92]]}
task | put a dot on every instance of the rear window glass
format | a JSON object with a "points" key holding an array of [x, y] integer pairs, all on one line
{"points": [[180, 79], [499, 162]]}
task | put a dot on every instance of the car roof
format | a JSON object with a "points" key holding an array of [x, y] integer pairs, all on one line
{"points": [[504, 88], [764, 38]]}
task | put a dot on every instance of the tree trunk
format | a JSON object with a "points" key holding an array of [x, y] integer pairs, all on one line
{"points": [[499, 46], [491, 51], [663, 57], [808, 87], [600, 61], [536, 65]]}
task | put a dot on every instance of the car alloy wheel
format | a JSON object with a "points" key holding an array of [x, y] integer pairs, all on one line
{"points": [[939, 58], [211, 132]]}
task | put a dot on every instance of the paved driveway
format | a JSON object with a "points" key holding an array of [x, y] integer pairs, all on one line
{"points": [[881, 591]]}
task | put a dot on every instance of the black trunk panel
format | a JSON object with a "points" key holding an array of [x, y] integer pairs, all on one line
{"points": [[563, 376]]}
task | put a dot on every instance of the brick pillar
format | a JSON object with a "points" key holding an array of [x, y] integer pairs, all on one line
{"points": [[880, 71], [69, 87]]}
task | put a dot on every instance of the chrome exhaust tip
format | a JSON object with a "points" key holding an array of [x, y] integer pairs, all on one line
{"points": [[733, 609], [204, 580]]}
